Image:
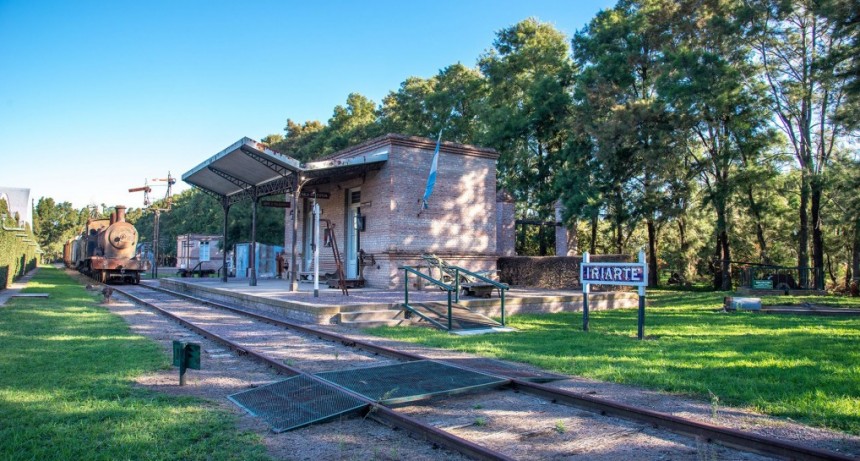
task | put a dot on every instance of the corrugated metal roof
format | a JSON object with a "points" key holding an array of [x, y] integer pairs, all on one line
{"points": [[18, 200], [248, 163]]}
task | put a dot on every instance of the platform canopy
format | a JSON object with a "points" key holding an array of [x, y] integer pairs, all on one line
{"points": [[248, 169]]}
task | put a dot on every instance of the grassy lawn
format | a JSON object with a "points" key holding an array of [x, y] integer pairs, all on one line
{"points": [[824, 301], [803, 367], [66, 392]]}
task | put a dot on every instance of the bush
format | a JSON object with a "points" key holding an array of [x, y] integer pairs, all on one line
{"points": [[17, 257], [547, 271]]}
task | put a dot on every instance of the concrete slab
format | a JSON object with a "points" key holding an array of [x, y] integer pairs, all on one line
{"points": [[16, 286]]}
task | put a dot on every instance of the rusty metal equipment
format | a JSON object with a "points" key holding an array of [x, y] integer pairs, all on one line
{"points": [[106, 250]]}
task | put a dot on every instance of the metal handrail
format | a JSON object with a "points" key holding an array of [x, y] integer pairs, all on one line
{"points": [[444, 286], [502, 287]]}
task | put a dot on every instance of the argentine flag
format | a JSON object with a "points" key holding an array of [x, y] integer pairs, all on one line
{"points": [[431, 180]]}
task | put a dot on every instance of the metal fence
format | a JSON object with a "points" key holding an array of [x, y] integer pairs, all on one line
{"points": [[766, 277]]}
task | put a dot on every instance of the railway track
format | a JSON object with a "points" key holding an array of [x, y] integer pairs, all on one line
{"points": [[277, 343]]}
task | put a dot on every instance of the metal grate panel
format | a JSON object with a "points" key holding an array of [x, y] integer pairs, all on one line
{"points": [[295, 402], [499, 368], [405, 382]]}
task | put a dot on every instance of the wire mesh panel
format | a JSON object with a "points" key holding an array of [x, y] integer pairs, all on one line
{"points": [[498, 368], [405, 382], [295, 402]]}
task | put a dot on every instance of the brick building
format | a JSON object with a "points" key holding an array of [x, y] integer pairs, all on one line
{"points": [[198, 251], [459, 225], [371, 194]]}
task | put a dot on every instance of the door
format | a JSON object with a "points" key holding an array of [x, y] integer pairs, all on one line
{"points": [[353, 237], [307, 236]]}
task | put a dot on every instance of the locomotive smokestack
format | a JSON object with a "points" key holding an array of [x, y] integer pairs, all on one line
{"points": [[112, 217], [120, 213]]}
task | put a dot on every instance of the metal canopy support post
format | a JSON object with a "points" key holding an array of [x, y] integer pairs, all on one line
{"points": [[225, 204], [294, 271], [585, 289], [641, 329], [253, 250], [316, 248], [250, 189], [156, 237]]}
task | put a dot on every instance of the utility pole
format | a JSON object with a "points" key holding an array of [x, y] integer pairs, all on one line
{"points": [[156, 224]]}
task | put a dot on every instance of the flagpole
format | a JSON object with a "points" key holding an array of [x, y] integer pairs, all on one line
{"points": [[434, 165]]}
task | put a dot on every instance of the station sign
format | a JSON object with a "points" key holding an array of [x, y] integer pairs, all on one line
{"points": [[319, 195], [631, 274], [275, 204]]}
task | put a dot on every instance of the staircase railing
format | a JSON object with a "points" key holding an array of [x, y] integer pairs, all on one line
{"points": [[502, 287], [411, 270]]}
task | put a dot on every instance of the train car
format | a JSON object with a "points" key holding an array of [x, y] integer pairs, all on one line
{"points": [[107, 250]]}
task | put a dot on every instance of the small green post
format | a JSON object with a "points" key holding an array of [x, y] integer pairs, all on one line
{"points": [[502, 295], [185, 356], [405, 286], [449, 311], [456, 285]]}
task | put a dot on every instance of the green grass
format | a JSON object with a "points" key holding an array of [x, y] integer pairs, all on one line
{"points": [[826, 301], [803, 367], [66, 390]]}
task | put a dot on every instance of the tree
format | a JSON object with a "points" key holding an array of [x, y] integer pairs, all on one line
{"points": [[530, 74], [350, 124], [55, 224], [721, 107], [450, 101], [620, 53], [845, 57], [794, 41]]}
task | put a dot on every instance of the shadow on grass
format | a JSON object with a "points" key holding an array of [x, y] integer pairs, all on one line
{"points": [[801, 367], [66, 382]]}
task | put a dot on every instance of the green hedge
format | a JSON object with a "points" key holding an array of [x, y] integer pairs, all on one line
{"points": [[553, 272], [16, 256]]}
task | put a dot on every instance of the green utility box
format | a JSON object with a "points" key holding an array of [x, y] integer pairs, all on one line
{"points": [[188, 353]]}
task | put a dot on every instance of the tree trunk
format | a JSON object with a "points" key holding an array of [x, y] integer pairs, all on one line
{"points": [[653, 276], [715, 264], [817, 237], [594, 222], [685, 248], [803, 232], [759, 229], [855, 261], [723, 244]]}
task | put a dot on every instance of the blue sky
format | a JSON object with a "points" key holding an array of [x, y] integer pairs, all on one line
{"points": [[97, 96]]}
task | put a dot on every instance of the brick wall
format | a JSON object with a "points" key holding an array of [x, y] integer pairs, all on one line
{"points": [[554, 272], [460, 224]]}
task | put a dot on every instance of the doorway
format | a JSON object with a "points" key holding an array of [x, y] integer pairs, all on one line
{"points": [[353, 236]]}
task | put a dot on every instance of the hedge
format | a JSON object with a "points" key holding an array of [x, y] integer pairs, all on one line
{"points": [[553, 272], [17, 257]]}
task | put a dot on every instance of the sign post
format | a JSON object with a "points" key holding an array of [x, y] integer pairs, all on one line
{"points": [[586, 258], [185, 356], [628, 274]]}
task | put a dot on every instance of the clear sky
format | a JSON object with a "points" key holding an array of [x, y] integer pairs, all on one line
{"points": [[97, 96]]}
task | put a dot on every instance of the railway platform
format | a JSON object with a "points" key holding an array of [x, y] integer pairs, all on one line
{"points": [[373, 306]]}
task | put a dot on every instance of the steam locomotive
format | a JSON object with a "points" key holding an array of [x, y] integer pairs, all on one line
{"points": [[106, 250]]}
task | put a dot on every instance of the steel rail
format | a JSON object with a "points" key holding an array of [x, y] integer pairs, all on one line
{"points": [[374, 410], [744, 440]]}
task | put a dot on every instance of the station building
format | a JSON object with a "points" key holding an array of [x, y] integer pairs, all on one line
{"points": [[370, 197]]}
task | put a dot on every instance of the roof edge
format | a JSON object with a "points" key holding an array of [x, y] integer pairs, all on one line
{"points": [[414, 141]]}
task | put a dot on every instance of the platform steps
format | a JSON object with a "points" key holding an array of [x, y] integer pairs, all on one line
{"points": [[462, 318], [374, 316], [433, 313]]}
